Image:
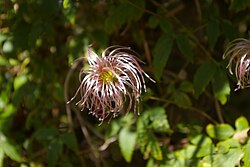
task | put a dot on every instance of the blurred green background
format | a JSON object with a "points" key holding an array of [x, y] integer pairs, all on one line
{"points": [[190, 117]]}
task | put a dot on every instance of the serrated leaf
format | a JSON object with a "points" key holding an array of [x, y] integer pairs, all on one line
{"points": [[147, 141], [246, 158], [153, 148], [241, 123], [54, 151], [213, 32], [221, 87], [184, 46], [157, 119], [127, 141], [182, 99], [229, 159], [70, 140], [220, 132], [161, 54], [203, 76], [224, 146]]}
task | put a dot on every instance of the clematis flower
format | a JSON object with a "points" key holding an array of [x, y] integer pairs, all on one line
{"points": [[239, 50], [112, 84]]}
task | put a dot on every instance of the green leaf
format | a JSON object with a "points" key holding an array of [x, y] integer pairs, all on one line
{"points": [[224, 146], [70, 140], [123, 13], [46, 134], [161, 54], [8, 46], [67, 164], [113, 130], [54, 151], [187, 87], [198, 151], [182, 99], [238, 5], [147, 141], [241, 123], [127, 141], [184, 46], [166, 26], [150, 163], [229, 159], [19, 81], [152, 22], [157, 119], [203, 76], [201, 140], [1, 157], [246, 158], [213, 32], [221, 86], [220, 132], [9, 149]]}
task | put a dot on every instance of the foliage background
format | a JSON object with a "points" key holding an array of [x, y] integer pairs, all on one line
{"points": [[190, 117]]}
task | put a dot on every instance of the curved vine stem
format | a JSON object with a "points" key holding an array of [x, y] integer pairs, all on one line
{"points": [[78, 115], [199, 111]]}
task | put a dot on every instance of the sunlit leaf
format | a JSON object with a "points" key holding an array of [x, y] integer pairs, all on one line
{"points": [[241, 123], [246, 150], [1, 157], [8, 47], [161, 54], [9, 149], [203, 76], [127, 141], [67, 164], [220, 131], [157, 119], [148, 143], [229, 159], [19, 81], [201, 140]]}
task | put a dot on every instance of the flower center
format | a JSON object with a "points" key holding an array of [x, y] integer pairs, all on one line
{"points": [[107, 76]]}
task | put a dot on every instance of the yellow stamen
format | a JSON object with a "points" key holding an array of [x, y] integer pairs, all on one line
{"points": [[107, 76]]}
